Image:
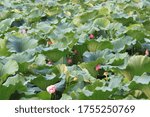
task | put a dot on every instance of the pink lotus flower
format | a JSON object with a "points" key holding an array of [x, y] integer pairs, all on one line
{"points": [[23, 31], [147, 52], [49, 62], [49, 42], [51, 89], [98, 67], [91, 36], [69, 60]]}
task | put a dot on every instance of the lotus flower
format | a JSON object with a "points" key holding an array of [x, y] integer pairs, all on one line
{"points": [[98, 67], [147, 52], [91, 36], [49, 62], [51, 89], [49, 42], [69, 60], [23, 31]]}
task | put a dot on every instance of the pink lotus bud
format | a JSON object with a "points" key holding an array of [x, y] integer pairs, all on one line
{"points": [[98, 67], [23, 31], [49, 62], [147, 52], [91, 36], [49, 42], [51, 89], [69, 60]]}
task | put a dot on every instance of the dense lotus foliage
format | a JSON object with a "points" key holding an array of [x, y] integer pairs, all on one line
{"points": [[74, 49]]}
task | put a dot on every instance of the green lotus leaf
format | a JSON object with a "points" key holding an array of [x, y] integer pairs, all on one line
{"points": [[105, 45], [136, 31], [101, 23], [115, 81], [14, 80], [4, 14], [94, 85], [136, 34], [24, 68], [96, 95], [147, 25], [54, 55], [44, 27], [92, 59], [62, 45], [144, 79], [137, 65], [34, 15], [123, 18], [44, 82], [6, 92], [104, 11], [98, 90], [120, 44], [11, 86], [23, 57], [84, 17], [3, 48], [40, 59], [9, 68], [141, 83], [31, 90], [130, 97], [66, 97], [90, 66], [44, 95], [5, 25], [60, 85], [105, 55], [16, 44], [62, 68], [52, 11], [80, 75], [94, 45]]}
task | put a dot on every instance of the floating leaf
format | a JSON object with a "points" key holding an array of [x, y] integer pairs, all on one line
{"points": [[5, 24], [16, 44], [137, 65], [141, 83], [101, 23]]}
